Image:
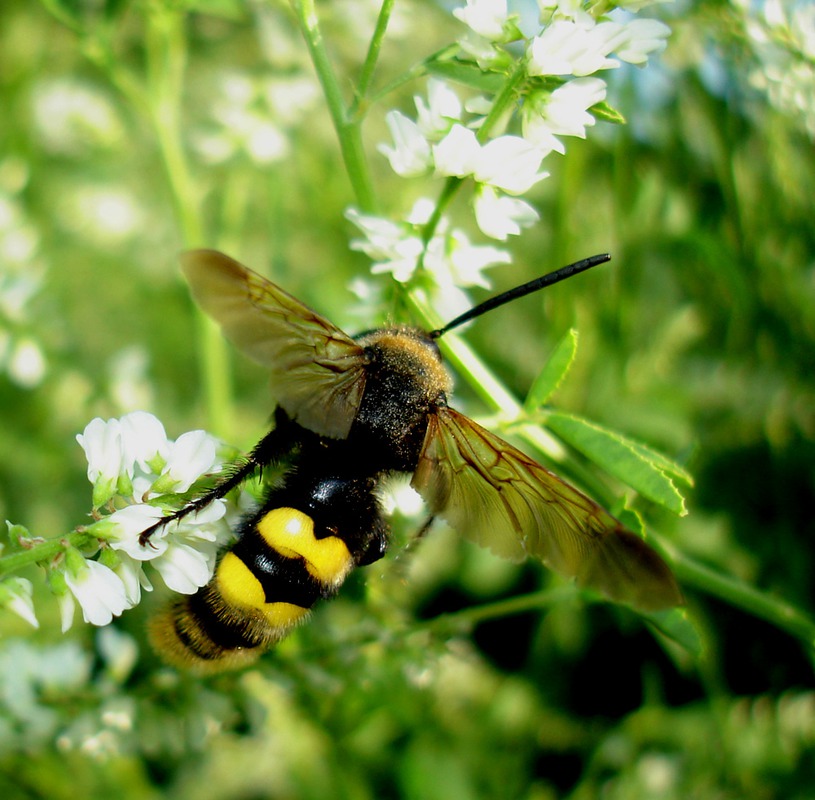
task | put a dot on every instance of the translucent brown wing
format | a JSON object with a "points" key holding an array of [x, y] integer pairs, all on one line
{"points": [[318, 372], [493, 494]]}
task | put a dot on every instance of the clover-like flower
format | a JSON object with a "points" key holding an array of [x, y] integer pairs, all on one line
{"points": [[98, 589]]}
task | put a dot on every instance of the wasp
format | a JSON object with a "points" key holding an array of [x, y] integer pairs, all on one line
{"points": [[351, 411]]}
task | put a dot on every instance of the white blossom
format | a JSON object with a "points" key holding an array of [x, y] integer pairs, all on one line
{"points": [[189, 457], [410, 155], [568, 48], [499, 216], [509, 163], [456, 154], [98, 590], [487, 18], [392, 247], [185, 568], [122, 528], [102, 443], [562, 112], [131, 573], [16, 595], [571, 47], [454, 261], [144, 440], [640, 38], [66, 604], [443, 108]]}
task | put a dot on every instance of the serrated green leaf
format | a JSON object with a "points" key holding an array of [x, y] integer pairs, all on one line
{"points": [[627, 460], [553, 371], [607, 113], [662, 462]]}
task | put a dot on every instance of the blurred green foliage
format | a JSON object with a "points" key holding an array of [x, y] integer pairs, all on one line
{"points": [[699, 339]]}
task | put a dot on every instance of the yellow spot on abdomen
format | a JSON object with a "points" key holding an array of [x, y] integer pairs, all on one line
{"points": [[237, 585], [291, 533]]}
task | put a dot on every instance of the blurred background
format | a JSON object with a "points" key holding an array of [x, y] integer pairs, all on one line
{"points": [[131, 130]]}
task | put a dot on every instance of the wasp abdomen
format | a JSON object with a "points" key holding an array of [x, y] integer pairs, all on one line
{"points": [[263, 587]]}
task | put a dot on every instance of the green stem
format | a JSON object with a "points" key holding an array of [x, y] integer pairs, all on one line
{"points": [[166, 70], [348, 132], [506, 97], [44, 551], [369, 67], [465, 619], [741, 595]]}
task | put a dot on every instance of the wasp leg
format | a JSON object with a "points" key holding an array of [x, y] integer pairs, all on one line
{"points": [[274, 446]]}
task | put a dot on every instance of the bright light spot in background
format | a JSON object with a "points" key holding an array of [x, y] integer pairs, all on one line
{"points": [[105, 213], [72, 117], [26, 365]]}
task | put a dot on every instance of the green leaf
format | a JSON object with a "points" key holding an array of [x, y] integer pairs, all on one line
{"points": [[553, 371], [676, 625], [468, 74], [633, 463], [606, 113]]}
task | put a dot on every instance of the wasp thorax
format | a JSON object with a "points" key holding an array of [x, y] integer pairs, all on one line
{"points": [[405, 381]]}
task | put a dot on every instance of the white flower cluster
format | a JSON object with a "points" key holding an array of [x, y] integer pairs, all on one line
{"points": [[130, 462], [782, 33], [250, 116], [557, 89]]}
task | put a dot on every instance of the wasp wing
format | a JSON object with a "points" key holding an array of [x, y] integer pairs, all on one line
{"points": [[493, 494], [318, 372]]}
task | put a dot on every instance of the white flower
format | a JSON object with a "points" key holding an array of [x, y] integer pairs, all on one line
{"points": [[16, 595], [66, 604], [421, 212], [144, 441], [567, 9], [389, 245], [410, 155], [185, 568], [122, 528], [403, 260], [499, 216], [189, 457], [562, 112], [568, 48], [456, 154], [640, 38], [509, 163], [453, 261], [443, 109], [131, 573], [99, 591], [102, 443], [485, 17]]}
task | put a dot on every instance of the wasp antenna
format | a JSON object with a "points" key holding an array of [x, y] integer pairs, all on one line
{"points": [[522, 290]]}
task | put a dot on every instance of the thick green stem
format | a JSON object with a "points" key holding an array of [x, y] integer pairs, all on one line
{"points": [[166, 70], [44, 551]]}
